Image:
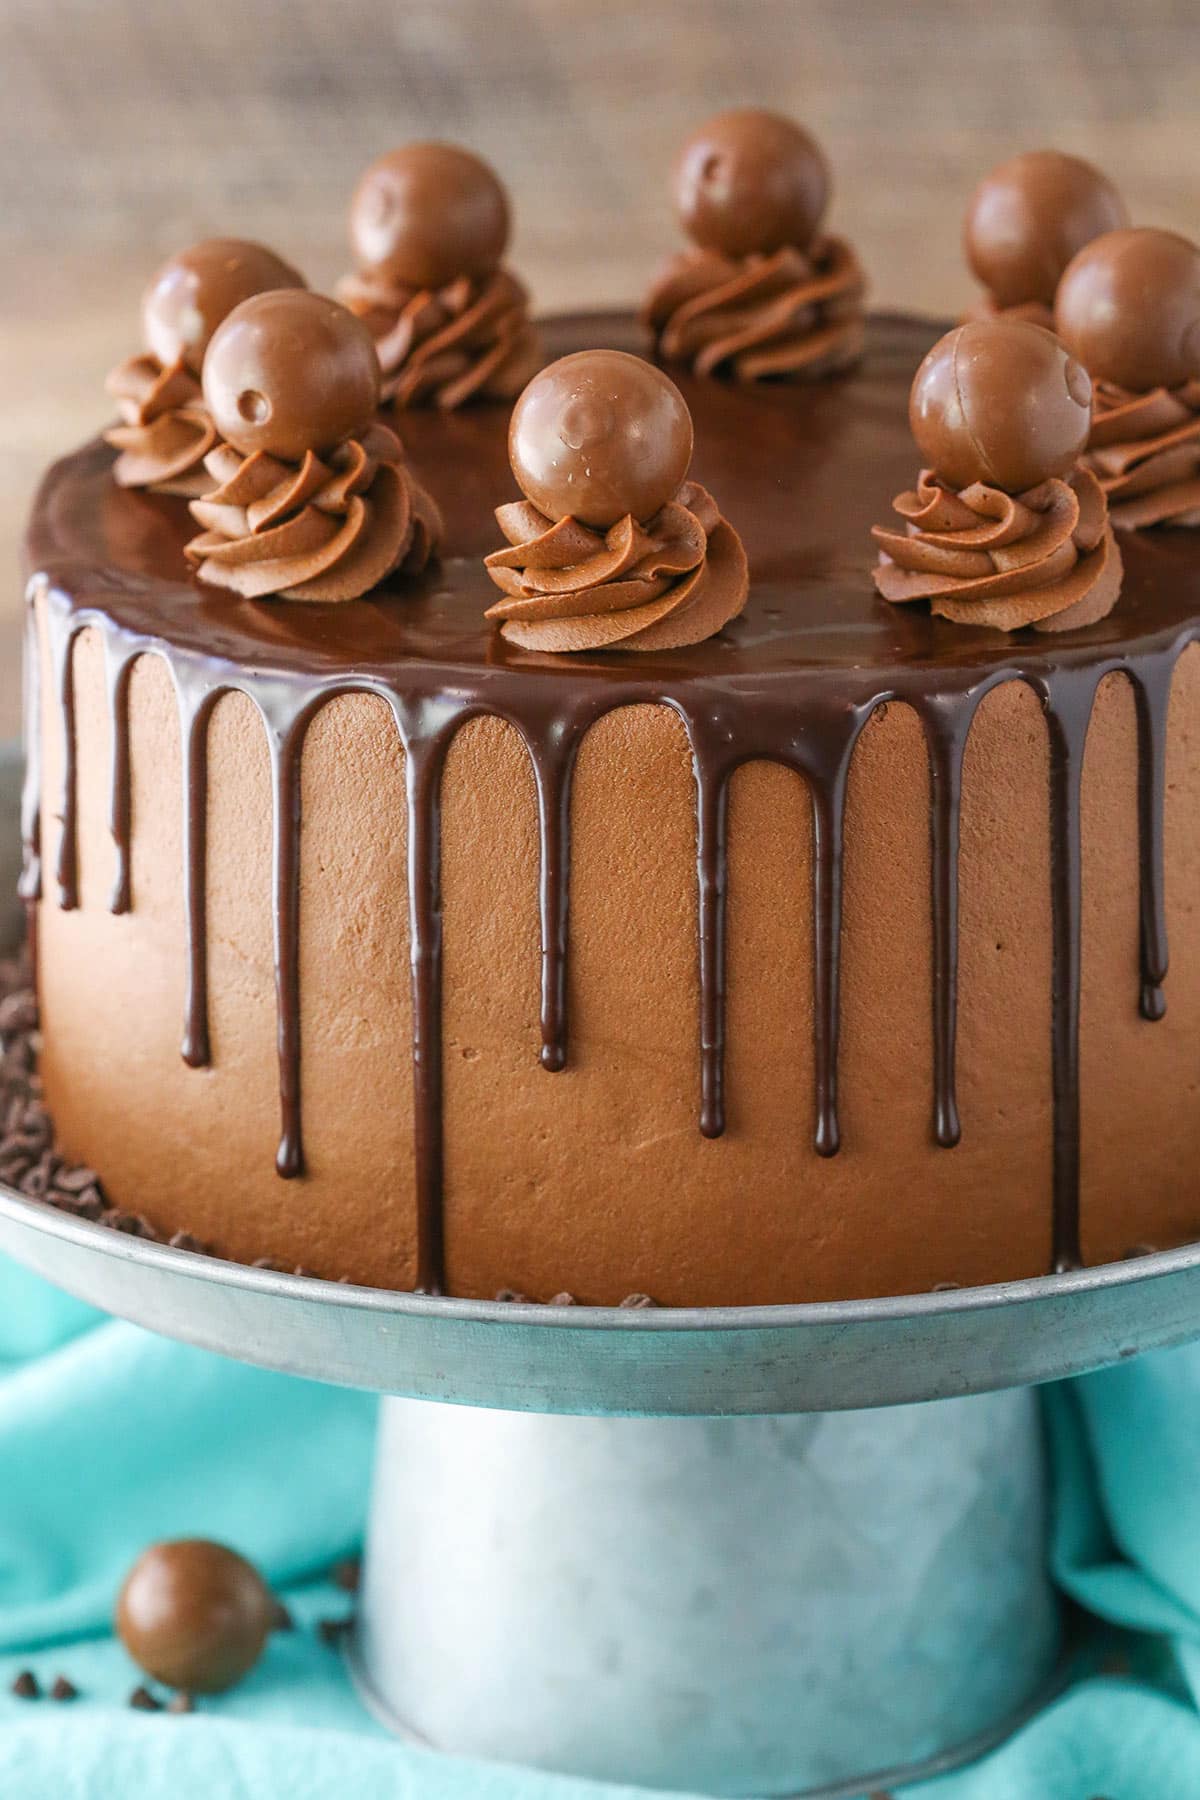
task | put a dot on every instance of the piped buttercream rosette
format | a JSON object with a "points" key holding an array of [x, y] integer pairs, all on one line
{"points": [[329, 528], [1145, 451], [471, 340], [1046, 558], [656, 586], [165, 432], [794, 314]]}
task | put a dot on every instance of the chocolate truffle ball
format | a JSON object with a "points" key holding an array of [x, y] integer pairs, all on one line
{"points": [[1001, 402], [750, 182], [198, 288], [1028, 218], [194, 1615], [428, 213], [289, 372], [1129, 308], [598, 435]]}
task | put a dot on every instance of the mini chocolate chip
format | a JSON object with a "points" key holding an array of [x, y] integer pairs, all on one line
{"points": [[63, 1689], [142, 1700], [637, 1302], [25, 1687], [183, 1240], [282, 1619], [181, 1702], [332, 1631], [73, 1181], [345, 1574]]}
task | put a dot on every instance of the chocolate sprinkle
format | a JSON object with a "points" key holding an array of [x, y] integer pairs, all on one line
{"points": [[283, 1620], [345, 1574], [25, 1687], [332, 1631], [142, 1700], [63, 1689]]}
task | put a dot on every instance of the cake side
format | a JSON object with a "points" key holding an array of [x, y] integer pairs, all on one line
{"points": [[676, 998]]}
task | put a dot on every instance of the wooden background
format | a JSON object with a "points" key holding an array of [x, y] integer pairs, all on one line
{"points": [[129, 127]]}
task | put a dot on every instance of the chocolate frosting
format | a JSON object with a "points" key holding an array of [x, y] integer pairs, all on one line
{"points": [[470, 340], [1145, 449], [1045, 558], [674, 581], [795, 313], [328, 528], [165, 432], [795, 677]]}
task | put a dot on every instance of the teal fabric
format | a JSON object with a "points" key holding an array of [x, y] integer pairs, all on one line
{"points": [[110, 1437]]}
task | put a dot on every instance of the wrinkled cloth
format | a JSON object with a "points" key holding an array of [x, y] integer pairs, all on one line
{"points": [[110, 1437], [794, 314], [1045, 558], [329, 528], [675, 580], [472, 340]]}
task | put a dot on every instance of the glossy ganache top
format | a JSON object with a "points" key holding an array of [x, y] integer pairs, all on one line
{"points": [[802, 474]]}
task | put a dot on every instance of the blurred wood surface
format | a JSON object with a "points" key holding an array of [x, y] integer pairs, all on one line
{"points": [[128, 127]]}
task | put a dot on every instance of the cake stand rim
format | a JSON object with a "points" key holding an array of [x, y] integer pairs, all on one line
{"points": [[27, 1211]]}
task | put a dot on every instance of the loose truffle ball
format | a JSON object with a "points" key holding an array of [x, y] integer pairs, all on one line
{"points": [[1129, 309], [194, 1615], [290, 372], [1029, 217], [750, 182], [1000, 402], [598, 435], [198, 288], [423, 215]]}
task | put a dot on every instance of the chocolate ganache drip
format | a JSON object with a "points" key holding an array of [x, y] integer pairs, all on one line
{"points": [[598, 557], [165, 431], [313, 501], [99, 564], [762, 294], [1129, 308], [1007, 529], [429, 225]]}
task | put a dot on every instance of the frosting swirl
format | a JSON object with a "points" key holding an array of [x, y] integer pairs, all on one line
{"points": [[1045, 558], [675, 580], [471, 340], [327, 528], [1145, 451], [165, 431], [793, 313]]}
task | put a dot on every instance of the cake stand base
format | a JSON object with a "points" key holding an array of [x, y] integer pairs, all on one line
{"points": [[828, 1589], [731, 1606]]}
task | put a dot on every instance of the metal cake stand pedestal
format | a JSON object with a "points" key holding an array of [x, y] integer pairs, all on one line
{"points": [[761, 1550]]}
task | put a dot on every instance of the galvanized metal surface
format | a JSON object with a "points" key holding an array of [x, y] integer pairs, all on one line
{"points": [[778, 1359], [724, 1605]]}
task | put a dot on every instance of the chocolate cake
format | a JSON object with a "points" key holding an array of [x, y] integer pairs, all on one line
{"points": [[552, 951]]}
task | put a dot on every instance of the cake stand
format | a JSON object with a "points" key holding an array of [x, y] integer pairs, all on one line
{"points": [[755, 1550]]}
